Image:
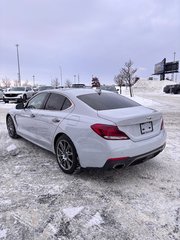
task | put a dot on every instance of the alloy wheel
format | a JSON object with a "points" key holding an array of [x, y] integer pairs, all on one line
{"points": [[65, 154]]}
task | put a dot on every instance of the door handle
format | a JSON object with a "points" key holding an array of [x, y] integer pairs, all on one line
{"points": [[55, 120]]}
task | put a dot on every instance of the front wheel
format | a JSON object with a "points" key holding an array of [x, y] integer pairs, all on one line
{"points": [[11, 128], [66, 154]]}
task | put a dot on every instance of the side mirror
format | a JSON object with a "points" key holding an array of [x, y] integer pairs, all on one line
{"points": [[20, 105]]}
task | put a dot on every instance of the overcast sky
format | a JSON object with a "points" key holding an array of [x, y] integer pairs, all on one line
{"points": [[86, 37]]}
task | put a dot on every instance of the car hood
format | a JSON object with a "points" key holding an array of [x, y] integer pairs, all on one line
{"points": [[14, 92]]}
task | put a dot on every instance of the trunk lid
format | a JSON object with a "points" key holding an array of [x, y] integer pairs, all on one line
{"points": [[139, 123]]}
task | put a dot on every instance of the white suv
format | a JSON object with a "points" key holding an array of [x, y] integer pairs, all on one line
{"points": [[18, 94]]}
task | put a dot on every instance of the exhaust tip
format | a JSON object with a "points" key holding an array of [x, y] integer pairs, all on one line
{"points": [[118, 166]]}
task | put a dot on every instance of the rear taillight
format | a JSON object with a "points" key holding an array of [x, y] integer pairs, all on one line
{"points": [[162, 124], [109, 132]]}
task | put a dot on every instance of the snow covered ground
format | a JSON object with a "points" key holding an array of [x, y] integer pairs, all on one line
{"points": [[38, 201]]}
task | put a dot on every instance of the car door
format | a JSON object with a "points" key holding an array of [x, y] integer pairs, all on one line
{"points": [[55, 110], [27, 121]]}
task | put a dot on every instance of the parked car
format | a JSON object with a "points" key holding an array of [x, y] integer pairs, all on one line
{"points": [[87, 128], [78, 85], [172, 89], [1, 93], [18, 94], [109, 88], [42, 88]]}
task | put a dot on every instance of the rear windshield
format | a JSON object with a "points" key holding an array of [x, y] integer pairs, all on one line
{"points": [[107, 101]]}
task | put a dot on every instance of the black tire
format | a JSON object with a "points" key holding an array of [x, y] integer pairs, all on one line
{"points": [[11, 128], [66, 154]]}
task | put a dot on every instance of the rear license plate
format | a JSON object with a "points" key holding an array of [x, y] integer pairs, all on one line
{"points": [[146, 127]]}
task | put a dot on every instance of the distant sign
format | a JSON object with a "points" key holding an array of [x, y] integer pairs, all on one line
{"points": [[172, 67], [164, 67], [78, 85], [160, 67]]}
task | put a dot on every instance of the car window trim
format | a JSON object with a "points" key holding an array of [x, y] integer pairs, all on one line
{"points": [[65, 97], [42, 106]]}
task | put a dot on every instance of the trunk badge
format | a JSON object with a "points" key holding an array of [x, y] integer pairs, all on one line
{"points": [[148, 118]]}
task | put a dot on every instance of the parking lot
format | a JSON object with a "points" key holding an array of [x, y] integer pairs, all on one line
{"points": [[38, 201]]}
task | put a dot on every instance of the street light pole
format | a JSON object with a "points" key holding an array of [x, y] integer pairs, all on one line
{"points": [[33, 81], [174, 56], [174, 53], [75, 79], [19, 74], [60, 74]]}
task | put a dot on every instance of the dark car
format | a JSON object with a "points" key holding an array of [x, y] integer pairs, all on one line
{"points": [[42, 88], [175, 88], [109, 88], [1, 93]]}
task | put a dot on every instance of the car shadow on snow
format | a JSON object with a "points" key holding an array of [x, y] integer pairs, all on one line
{"points": [[146, 170]]}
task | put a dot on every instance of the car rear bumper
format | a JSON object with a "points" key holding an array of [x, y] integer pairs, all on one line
{"points": [[127, 161]]}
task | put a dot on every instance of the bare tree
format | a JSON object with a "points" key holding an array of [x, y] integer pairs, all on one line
{"points": [[55, 83], [128, 72], [68, 83], [119, 80], [16, 83], [6, 82], [25, 83], [95, 82]]}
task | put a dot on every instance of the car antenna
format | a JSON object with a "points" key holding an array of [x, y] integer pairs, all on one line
{"points": [[98, 90]]}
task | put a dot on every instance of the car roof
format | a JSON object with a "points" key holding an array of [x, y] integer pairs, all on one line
{"points": [[76, 91]]}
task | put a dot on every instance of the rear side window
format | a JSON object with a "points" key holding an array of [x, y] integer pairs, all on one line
{"points": [[57, 102], [66, 104], [107, 101]]}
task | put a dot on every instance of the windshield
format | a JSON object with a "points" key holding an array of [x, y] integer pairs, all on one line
{"points": [[107, 101], [17, 89]]}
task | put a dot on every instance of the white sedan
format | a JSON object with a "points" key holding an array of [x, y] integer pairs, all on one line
{"points": [[89, 128]]}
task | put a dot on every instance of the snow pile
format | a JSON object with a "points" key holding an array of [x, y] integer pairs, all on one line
{"points": [[9, 105], [145, 102], [72, 212], [151, 85], [11, 148], [3, 233], [94, 221]]}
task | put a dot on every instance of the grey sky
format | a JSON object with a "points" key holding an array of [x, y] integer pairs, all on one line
{"points": [[86, 37]]}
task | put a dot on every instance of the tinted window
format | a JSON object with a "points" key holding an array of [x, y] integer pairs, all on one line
{"points": [[18, 89], [107, 101], [66, 104], [55, 102], [37, 101], [28, 88]]}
